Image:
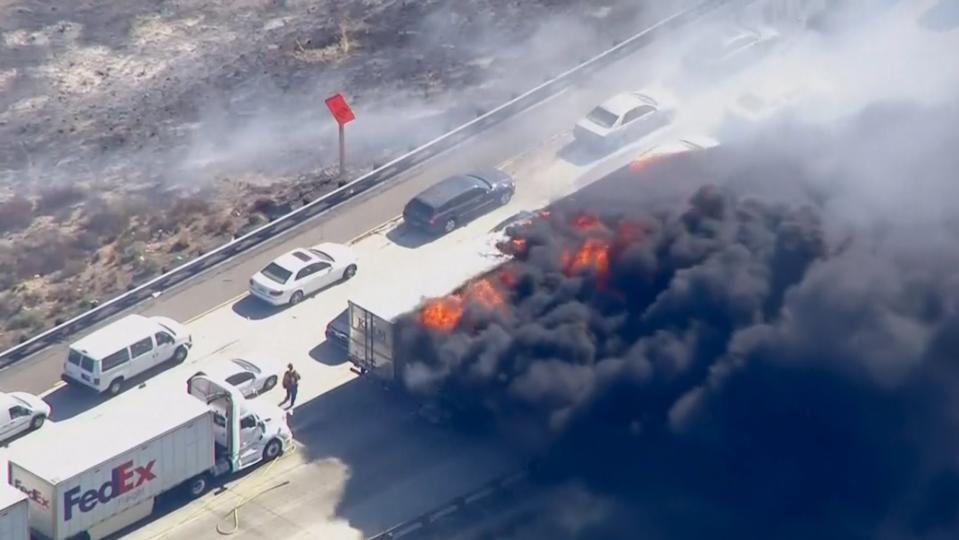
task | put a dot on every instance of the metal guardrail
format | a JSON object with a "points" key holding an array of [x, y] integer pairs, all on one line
{"points": [[375, 178]]}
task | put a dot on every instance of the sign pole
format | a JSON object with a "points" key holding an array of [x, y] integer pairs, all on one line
{"points": [[343, 115], [342, 150]]}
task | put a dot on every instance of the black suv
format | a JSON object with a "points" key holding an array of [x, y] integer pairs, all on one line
{"points": [[459, 199]]}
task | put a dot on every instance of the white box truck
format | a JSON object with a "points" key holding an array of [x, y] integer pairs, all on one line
{"points": [[14, 521], [99, 472]]}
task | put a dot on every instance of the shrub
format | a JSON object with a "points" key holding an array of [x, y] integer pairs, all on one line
{"points": [[182, 242], [181, 213], [264, 205], [72, 268], [45, 253], [15, 213], [8, 268], [219, 226], [107, 221], [85, 241], [24, 320], [145, 268], [9, 305], [56, 198], [132, 252], [30, 298]]}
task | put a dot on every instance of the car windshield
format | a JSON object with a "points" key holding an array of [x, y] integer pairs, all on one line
{"points": [[602, 117], [168, 329], [486, 183], [277, 273], [246, 365], [23, 402], [321, 254]]}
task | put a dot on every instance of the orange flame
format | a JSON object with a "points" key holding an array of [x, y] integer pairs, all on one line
{"points": [[586, 222], [507, 277], [484, 293], [442, 314], [593, 254], [643, 162]]}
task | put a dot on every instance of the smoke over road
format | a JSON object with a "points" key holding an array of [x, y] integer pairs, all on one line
{"points": [[775, 359]]}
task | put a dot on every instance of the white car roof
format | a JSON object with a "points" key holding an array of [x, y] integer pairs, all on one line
{"points": [[116, 335], [623, 102], [223, 367], [295, 259]]}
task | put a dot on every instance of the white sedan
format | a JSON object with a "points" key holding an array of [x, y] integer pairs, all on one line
{"points": [[251, 378], [625, 117], [293, 276], [21, 412]]}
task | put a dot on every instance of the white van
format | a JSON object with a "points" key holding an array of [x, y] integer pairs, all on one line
{"points": [[110, 356], [20, 412]]}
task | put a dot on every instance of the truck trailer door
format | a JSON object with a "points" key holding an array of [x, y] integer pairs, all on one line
{"points": [[370, 343], [226, 400]]}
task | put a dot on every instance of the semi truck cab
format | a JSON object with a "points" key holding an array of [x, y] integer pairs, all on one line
{"points": [[246, 432]]}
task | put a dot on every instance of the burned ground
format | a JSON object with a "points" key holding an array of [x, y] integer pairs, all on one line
{"points": [[737, 367], [144, 133]]}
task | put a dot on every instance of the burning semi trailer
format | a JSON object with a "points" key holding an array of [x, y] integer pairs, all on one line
{"points": [[719, 369], [384, 331]]}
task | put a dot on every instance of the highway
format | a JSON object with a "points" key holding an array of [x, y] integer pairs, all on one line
{"points": [[516, 141], [364, 460]]}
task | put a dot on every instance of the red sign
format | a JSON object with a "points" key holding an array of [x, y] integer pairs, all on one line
{"points": [[339, 109]]}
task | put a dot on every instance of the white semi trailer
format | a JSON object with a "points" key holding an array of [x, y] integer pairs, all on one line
{"points": [[95, 474], [14, 520]]}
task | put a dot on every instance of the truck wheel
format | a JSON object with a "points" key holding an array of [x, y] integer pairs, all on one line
{"points": [[116, 386], [296, 298], [272, 450], [179, 355], [197, 486], [269, 384], [37, 421]]}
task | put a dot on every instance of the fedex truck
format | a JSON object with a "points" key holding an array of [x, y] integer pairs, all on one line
{"points": [[97, 473], [14, 521]]}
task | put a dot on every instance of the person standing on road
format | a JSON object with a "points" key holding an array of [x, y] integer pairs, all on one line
{"points": [[291, 383]]}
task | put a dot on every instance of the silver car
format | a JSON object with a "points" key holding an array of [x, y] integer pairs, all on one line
{"points": [[250, 377], [625, 117]]}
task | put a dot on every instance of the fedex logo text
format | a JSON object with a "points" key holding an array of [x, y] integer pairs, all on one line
{"points": [[33, 494], [123, 478]]}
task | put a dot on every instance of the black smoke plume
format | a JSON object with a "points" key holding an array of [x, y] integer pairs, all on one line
{"points": [[732, 370]]}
